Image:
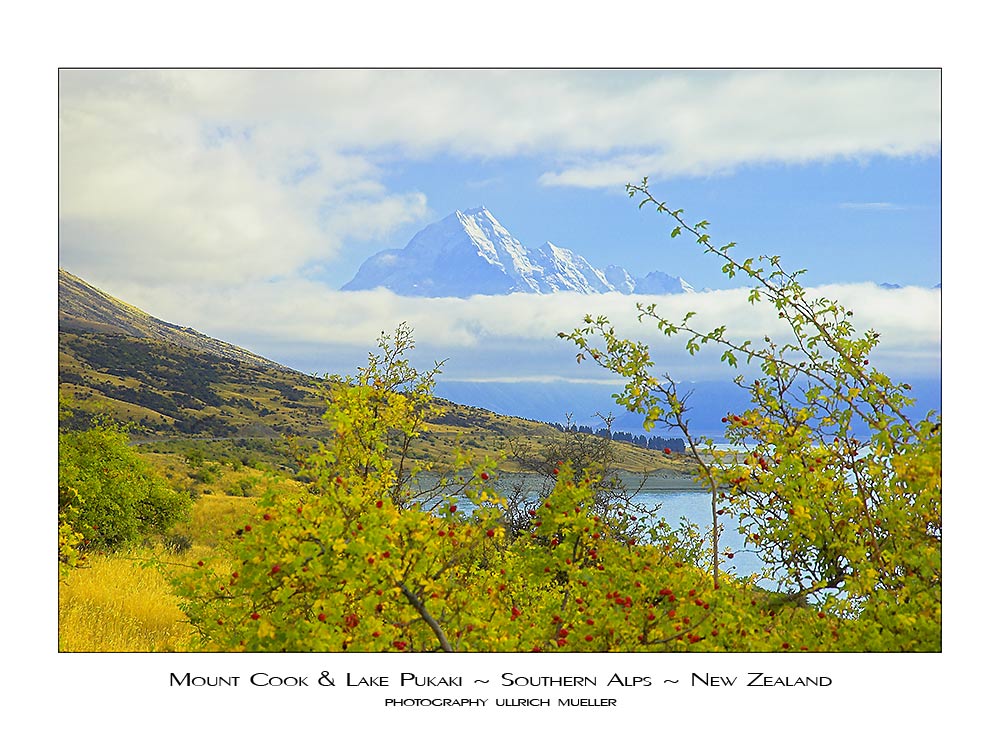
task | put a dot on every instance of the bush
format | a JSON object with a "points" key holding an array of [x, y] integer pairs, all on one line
{"points": [[107, 494]]}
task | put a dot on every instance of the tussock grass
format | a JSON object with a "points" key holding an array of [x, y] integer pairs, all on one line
{"points": [[116, 605]]}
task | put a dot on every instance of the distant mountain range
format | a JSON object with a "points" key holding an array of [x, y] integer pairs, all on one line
{"points": [[708, 401], [469, 253]]}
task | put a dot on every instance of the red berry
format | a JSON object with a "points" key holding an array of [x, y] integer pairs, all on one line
{"points": [[267, 516], [667, 451], [490, 533], [254, 616], [322, 617], [484, 476]]}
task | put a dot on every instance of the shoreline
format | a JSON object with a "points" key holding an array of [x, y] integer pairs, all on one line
{"points": [[654, 481]]}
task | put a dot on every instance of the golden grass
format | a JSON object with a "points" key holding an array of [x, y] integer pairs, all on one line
{"points": [[114, 604], [215, 518]]}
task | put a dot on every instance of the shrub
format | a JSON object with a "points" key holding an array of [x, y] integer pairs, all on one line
{"points": [[108, 495]]}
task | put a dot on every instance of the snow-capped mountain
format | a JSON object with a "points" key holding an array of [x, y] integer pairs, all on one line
{"points": [[620, 279], [470, 252]]}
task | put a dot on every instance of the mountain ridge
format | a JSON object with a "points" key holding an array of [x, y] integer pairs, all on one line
{"points": [[83, 307]]}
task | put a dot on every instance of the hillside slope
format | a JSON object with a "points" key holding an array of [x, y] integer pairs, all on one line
{"points": [[83, 307]]}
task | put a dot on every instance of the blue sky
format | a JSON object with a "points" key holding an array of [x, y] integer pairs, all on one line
{"points": [[239, 201]]}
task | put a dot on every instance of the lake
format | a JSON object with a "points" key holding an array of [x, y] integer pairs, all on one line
{"points": [[696, 506]]}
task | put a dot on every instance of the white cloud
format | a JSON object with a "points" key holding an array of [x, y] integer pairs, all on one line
{"points": [[514, 337], [709, 123], [175, 176]]}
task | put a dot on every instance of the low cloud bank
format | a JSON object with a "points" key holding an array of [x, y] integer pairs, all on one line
{"points": [[308, 325]]}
